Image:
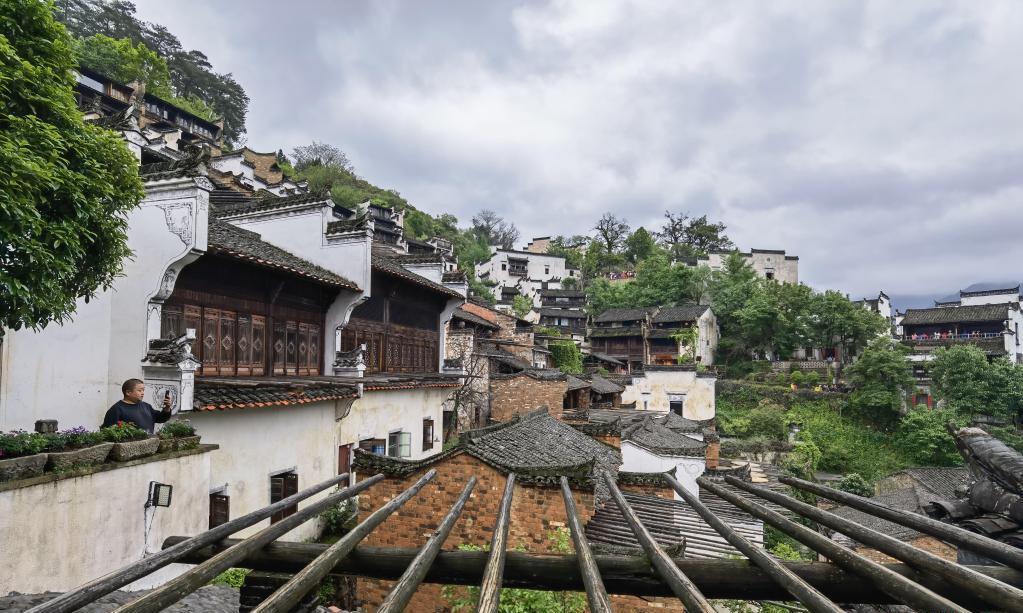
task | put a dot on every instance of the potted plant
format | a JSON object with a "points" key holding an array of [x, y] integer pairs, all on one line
{"points": [[76, 447], [178, 435], [21, 455], [130, 441]]}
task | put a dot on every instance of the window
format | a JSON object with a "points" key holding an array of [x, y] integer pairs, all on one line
{"points": [[677, 403], [427, 434], [546, 270], [373, 445], [220, 509], [344, 460], [399, 444], [504, 266], [282, 486], [769, 273]]}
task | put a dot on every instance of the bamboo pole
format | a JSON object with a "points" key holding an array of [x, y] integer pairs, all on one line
{"points": [[596, 593], [490, 587]]}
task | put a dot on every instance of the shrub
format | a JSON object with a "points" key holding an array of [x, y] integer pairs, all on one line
{"points": [[124, 431], [337, 517], [178, 428], [75, 438], [20, 443], [780, 379], [811, 379], [797, 378], [232, 577], [767, 420], [855, 484]]}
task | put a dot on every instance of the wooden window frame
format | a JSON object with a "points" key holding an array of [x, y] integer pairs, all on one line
{"points": [[283, 485], [428, 433], [404, 444], [220, 509]]}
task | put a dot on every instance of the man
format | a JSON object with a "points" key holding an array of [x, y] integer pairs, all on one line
{"points": [[132, 408]]}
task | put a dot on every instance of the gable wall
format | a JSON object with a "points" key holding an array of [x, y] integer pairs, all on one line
{"points": [[523, 394]]}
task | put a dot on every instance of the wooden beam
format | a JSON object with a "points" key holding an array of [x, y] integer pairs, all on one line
{"points": [[813, 599], [906, 590], [192, 579], [490, 588], [995, 593], [626, 575], [408, 583], [681, 585], [289, 594], [596, 593], [91, 591]]}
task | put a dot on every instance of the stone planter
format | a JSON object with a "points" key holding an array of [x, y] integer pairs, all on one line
{"points": [[22, 468], [65, 460], [179, 443], [130, 450]]}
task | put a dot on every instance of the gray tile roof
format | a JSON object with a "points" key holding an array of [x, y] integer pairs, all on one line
{"points": [[600, 385], [960, 314], [671, 522], [681, 313], [191, 166], [563, 293], [213, 394], [621, 315], [224, 203], [904, 500], [575, 383], [384, 263], [653, 436], [567, 313], [603, 357], [473, 319], [941, 481], [237, 243], [612, 332]]}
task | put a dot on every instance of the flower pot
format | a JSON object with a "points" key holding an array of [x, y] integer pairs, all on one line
{"points": [[129, 450], [178, 443], [65, 460], [23, 467]]}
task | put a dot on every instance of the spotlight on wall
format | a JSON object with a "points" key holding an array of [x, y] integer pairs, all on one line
{"points": [[159, 494]]}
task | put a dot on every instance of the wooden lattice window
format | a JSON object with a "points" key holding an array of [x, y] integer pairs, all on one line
{"points": [[220, 509]]}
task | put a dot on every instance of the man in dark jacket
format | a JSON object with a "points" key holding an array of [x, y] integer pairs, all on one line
{"points": [[132, 408]]}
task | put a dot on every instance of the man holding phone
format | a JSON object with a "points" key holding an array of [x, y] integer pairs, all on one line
{"points": [[132, 408]]}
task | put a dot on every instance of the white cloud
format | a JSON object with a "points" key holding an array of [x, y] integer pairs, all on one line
{"points": [[880, 142]]}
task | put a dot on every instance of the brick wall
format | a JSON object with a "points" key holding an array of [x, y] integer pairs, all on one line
{"points": [[661, 491], [927, 543], [536, 511], [522, 393]]}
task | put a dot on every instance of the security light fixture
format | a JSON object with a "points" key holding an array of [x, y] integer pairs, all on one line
{"points": [[159, 494]]}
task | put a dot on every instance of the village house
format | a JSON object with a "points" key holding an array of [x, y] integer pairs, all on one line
{"points": [[642, 336], [563, 309], [767, 263], [523, 273], [621, 334]]}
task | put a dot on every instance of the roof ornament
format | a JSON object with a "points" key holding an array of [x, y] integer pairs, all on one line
{"points": [[350, 363]]}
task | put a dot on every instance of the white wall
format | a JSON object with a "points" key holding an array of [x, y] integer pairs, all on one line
{"points": [[55, 536], [636, 459], [378, 413], [258, 443], [539, 268], [657, 383]]}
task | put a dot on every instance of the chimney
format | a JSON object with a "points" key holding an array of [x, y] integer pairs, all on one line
{"points": [[713, 448]]}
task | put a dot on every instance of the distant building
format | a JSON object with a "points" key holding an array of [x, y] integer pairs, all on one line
{"points": [[539, 244], [523, 273], [768, 263], [644, 336], [563, 309], [882, 305]]}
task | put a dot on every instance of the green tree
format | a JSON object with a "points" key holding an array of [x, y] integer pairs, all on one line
{"points": [[639, 246], [570, 248], [123, 61], [566, 356], [881, 378], [855, 484], [925, 440], [838, 322], [968, 384], [66, 186], [521, 306], [690, 237], [494, 229], [611, 232]]}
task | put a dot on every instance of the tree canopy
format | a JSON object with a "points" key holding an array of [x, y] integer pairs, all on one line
{"points": [[494, 229], [66, 185], [968, 384]]}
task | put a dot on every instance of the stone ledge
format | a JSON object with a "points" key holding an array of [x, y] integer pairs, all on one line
{"points": [[89, 470]]}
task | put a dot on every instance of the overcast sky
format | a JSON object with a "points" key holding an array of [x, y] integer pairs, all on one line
{"points": [[882, 142]]}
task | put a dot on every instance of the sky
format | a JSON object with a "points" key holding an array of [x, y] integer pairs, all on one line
{"points": [[881, 142]]}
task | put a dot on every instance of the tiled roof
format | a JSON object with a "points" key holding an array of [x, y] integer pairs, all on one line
{"points": [[562, 293], [223, 394], [611, 332], [678, 423], [474, 319], [671, 522], [382, 382], [191, 166], [600, 385], [504, 357], [575, 383], [663, 333], [682, 313], [454, 276], [347, 225], [621, 315], [941, 481], [567, 313], [904, 500], [231, 241], [960, 314], [655, 437], [603, 357], [418, 258], [388, 266], [224, 206]]}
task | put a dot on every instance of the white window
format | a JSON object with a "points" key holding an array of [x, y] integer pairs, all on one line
{"points": [[399, 444]]}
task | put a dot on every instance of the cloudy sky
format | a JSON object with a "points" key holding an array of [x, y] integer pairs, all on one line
{"points": [[882, 142]]}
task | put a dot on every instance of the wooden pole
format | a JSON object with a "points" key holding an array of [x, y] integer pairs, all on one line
{"points": [[680, 585], [629, 575], [814, 600], [596, 593], [191, 580], [899, 587], [490, 588], [97, 588], [990, 548], [406, 586], [996, 593], [292, 592]]}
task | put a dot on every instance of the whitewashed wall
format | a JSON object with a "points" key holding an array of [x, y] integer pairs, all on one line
{"points": [[378, 413], [654, 386], [636, 459], [58, 535]]}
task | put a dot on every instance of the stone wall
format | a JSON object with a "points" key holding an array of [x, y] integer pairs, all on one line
{"points": [[535, 513], [514, 394]]}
